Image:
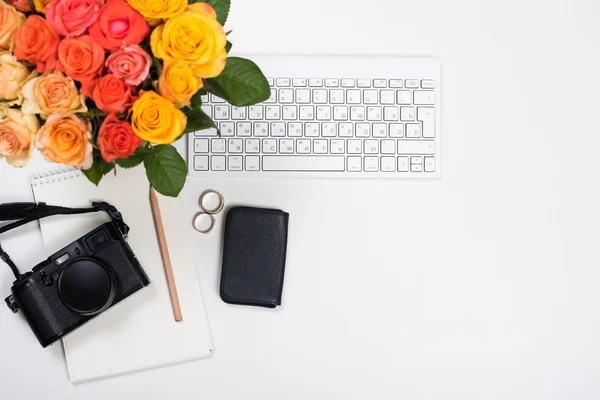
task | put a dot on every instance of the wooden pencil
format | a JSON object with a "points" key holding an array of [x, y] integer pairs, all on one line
{"points": [[164, 251]]}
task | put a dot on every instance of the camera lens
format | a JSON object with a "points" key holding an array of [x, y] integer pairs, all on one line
{"points": [[86, 286]]}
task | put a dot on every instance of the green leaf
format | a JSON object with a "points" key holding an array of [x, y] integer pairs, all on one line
{"points": [[98, 169], [221, 8], [241, 83], [197, 120], [196, 100], [228, 46], [131, 161], [166, 169]]}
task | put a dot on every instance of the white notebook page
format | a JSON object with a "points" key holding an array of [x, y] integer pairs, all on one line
{"points": [[140, 332]]}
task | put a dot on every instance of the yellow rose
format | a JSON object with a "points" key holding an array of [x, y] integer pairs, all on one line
{"points": [[65, 139], [13, 75], [156, 120], [11, 21], [178, 83], [52, 93], [17, 134], [195, 37], [40, 5], [155, 10]]}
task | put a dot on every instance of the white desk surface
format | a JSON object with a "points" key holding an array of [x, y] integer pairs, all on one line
{"points": [[482, 285]]}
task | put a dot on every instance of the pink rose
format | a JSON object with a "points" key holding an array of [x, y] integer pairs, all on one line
{"points": [[72, 17], [131, 63]]}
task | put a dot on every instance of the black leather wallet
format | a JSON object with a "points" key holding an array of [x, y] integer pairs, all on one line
{"points": [[254, 252]]}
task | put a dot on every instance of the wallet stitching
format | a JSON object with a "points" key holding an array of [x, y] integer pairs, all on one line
{"points": [[226, 250]]}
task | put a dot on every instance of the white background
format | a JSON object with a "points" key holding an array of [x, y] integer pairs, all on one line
{"points": [[482, 285]]}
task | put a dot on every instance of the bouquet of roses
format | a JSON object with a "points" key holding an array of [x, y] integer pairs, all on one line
{"points": [[96, 84]]}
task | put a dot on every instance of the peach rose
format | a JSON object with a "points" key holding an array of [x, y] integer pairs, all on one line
{"points": [[131, 63], [21, 5], [13, 76], [40, 5], [118, 25], [116, 139], [52, 93], [11, 21], [37, 42], [72, 17], [65, 139], [111, 94], [81, 58], [17, 133]]}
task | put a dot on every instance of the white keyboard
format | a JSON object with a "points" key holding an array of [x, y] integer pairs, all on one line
{"points": [[328, 116]]}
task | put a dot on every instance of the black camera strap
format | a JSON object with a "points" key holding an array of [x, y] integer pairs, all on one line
{"points": [[24, 213]]}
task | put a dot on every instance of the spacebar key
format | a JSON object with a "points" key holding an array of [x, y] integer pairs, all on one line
{"points": [[303, 163]]}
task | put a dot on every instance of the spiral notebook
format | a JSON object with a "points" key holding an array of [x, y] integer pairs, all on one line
{"points": [[140, 332]]}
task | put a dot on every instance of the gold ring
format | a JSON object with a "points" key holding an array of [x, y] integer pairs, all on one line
{"points": [[215, 210], [197, 218]]}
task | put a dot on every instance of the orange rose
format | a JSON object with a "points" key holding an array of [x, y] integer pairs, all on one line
{"points": [[11, 21], [37, 42], [17, 133], [111, 94], [118, 25], [21, 5], [52, 93], [65, 139], [81, 58], [116, 139]]}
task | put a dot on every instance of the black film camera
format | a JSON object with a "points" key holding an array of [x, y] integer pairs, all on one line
{"points": [[78, 282]]}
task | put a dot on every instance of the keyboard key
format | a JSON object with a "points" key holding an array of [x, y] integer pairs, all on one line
{"points": [[216, 99], [278, 129], [217, 146], [235, 163], [315, 82], [427, 84], [303, 146], [390, 113], [354, 146], [201, 163], [329, 129], [424, 97], [363, 83], [207, 109], [416, 147], [235, 145], [371, 146], [402, 164], [416, 167], [323, 113], [303, 163], [272, 97], [286, 96], [371, 164], [379, 130], [416, 160], [221, 112], [346, 129], [286, 146], [354, 163], [340, 113], [244, 129], [388, 164], [407, 113], [272, 112], [252, 145], [238, 112], [201, 145], [374, 113], [348, 83], [403, 97], [313, 129], [332, 82], [269, 145], [429, 164], [396, 130], [411, 84], [217, 163], [337, 146], [227, 128], [357, 113], [353, 96], [283, 82], [289, 112], [379, 83], [363, 130], [255, 112], [370, 96], [413, 130], [387, 97], [261, 129], [295, 129], [388, 146], [427, 116], [336, 96], [303, 96], [319, 96], [307, 112], [320, 146], [271, 81], [299, 82], [396, 83], [204, 98], [252, 163]]}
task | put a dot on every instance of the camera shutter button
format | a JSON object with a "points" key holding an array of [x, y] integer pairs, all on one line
{"points": [[46, 279]]}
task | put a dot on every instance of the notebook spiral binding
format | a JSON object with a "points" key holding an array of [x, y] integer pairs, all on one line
{"points": [[57, 175]]}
